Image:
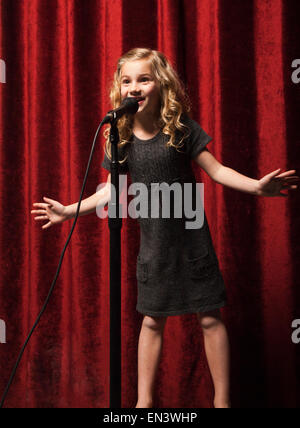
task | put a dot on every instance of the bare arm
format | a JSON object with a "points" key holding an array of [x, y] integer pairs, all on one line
{"points": [[89, 204], [55, 213], [271, 184], [226, 176]]}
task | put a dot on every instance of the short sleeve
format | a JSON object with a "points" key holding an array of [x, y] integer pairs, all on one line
{"points": [[123, 167], [197, 139]]}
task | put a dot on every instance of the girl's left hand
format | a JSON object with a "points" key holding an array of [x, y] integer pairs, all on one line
{"points": [[272, 183]]}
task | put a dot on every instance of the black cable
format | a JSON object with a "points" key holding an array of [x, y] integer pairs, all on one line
{"points": [[57, 272]]}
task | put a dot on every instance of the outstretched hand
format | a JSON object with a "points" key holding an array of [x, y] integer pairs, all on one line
{"points": [[273, 183], [50, 210]]}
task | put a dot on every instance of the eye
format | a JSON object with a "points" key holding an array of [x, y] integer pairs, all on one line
{"points": [[125, 81], [144, 79]]}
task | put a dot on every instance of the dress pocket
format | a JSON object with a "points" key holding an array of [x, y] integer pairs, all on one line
{"points": [[202, 266], [141, 270]]}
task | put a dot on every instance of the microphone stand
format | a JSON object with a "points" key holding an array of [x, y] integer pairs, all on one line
{"points": [[115, 225], [129, 106]]}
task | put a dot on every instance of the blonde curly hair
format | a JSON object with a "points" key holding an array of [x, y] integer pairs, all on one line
{"points": [[174, 100]]}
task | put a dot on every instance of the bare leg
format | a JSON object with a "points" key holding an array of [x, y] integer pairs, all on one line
{"points": [[149, 352], [218, 355]]}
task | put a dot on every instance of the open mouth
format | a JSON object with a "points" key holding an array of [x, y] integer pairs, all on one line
{"points": [[140, 99]]}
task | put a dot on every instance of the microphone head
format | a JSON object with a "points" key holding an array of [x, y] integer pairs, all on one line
{"points": [[132, 104], [129, 105]]}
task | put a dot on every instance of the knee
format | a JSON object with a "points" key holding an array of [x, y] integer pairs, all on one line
{"points": [[209, 320], [154, 323]]}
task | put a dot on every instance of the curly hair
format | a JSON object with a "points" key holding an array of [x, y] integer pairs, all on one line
{"points": [[174, 100]]}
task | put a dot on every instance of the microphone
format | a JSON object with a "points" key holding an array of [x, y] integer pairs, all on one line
{"points": [[130, 105]]}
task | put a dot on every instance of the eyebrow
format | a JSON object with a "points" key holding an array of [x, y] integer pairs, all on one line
{"points": [[142, 74]]}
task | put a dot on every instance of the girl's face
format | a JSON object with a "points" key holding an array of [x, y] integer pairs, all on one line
{"points": [[137, 80]]}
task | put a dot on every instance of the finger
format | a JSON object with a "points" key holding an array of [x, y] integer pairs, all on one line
{"points": [[42, 217], [38, 211], [291, 178], [46, 225], [285, 180], [40, 205], [290, 188], [273, 173], [286, 173], [289, 185], [50, 201]]}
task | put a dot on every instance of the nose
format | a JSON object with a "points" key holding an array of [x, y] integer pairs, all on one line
{"points": [[134, 88]]}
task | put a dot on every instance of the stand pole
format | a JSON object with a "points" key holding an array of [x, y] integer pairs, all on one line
{"points": [[115, 225]]}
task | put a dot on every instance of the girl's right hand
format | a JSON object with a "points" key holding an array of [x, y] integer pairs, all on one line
{"points": [[51, 210]]}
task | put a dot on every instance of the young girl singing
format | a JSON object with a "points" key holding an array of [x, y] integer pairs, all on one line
{"points": [[177, 267]]}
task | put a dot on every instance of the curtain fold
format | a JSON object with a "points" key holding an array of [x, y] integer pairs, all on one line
{"points": [[235, 61]]}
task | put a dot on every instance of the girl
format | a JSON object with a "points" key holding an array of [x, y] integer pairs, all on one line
{"points": [[177, 268]]}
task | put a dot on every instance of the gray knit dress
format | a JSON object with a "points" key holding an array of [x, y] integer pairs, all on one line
{"points": [[177, 268]]}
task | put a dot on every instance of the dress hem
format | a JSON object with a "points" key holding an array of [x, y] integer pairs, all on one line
{"points": [[183, 311]]}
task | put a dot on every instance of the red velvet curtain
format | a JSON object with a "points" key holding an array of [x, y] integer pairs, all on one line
{"points": [[235, 58]]}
